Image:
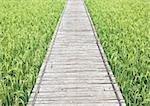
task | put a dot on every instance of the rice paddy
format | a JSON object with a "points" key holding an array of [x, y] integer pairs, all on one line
{"points": [[26, 28], [123, 27]]}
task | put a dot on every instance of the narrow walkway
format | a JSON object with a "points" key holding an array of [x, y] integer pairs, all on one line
{"points": [[75, 72]]}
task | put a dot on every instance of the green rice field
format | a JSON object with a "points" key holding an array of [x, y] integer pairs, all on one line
{"points": [[26, 28], [123, 27]]}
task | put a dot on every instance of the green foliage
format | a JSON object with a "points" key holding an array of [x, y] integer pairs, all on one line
{"points": [[26, 27], [123, 27]]}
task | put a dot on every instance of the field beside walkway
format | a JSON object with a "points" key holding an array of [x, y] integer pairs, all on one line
{"points": [[26, 28], [123, 27]]}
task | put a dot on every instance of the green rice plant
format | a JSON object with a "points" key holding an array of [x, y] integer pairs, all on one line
{"points": [[26, 28], [123, 27]]}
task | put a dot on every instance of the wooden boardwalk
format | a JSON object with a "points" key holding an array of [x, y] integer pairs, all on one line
{"points": [[75, 71]]}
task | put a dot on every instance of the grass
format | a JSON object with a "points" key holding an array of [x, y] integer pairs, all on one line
{"points": [[26, 28], [123, 27]]}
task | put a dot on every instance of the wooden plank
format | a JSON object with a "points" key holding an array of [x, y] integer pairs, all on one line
{"points": [[73, 81], [84, 104], [69, 87], [61, 95], [74, 101]]}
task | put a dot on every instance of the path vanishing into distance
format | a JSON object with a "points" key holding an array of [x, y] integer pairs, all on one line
{"points": [[75, 71]]}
